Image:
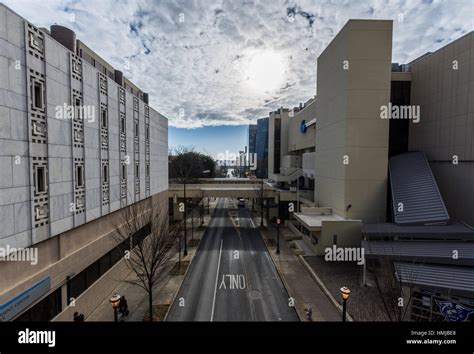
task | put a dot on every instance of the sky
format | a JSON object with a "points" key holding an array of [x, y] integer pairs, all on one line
{"points": [[210, 65]]}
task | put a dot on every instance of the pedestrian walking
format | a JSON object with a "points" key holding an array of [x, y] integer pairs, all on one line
{"points": [[309, 314], [123, 307], [78, 317]]}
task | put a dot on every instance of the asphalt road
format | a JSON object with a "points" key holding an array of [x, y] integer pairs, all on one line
{"points": [[232, 276]]}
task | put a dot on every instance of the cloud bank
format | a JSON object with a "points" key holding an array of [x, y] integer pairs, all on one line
{"points": [[193, 56]]}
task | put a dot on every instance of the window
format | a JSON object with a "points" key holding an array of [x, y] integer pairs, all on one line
{"points": [[137, 169], [136, 128], [104, 118], [148, 170], [122, 124], [77, 109], [124, 171], [105, 173], [40, 183], [147, 132], [79, 176], [37, 95], [45, 310]]}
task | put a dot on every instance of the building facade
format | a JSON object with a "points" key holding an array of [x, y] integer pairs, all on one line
{"points": [[78, 143], [261, 148], [392, 162]]}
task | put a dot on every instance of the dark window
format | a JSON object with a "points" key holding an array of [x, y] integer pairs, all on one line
{"points": [[104, 118], [45, 310], [136, 128], [40, 179], [148, 170], [78, 109], [147, 132], [122, 124], [105, 173], [92, 274], [79, 176], [137, 170], [37, 95], [124, 171], [78, 285]]}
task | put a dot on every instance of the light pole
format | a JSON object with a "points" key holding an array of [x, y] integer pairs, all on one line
{"points": [[278, 235], [345, 293], [115, 301]]}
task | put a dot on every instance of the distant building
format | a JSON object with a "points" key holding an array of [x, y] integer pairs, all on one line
{"points": [[252, 138], [261, 148]]}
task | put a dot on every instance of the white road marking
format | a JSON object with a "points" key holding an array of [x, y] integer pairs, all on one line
{"points": [[215, 287], [251, 221]]}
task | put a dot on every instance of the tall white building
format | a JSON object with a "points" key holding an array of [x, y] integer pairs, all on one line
{"points": [[78, 142]]}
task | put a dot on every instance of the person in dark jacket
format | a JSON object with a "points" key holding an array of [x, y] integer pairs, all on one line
{"points": [[123, 307], [78, 317]]}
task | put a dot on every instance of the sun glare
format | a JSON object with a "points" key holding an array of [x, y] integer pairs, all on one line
{"points": [[264, 71]]}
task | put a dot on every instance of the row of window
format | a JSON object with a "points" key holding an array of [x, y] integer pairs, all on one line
{"points": [[82, 281], [51, 305]]}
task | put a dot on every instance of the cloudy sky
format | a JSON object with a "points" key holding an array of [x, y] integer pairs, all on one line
{"points": [[217, 62]]}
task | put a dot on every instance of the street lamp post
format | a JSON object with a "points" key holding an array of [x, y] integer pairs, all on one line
{"points": [[278, 235], [115, 301], [345, 293]]}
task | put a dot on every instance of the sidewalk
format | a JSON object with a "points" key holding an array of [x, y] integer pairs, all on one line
{"points": [[298, 282], [164, 294]]}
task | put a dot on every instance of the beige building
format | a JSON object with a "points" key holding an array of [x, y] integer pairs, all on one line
{"points": [[353, 81], [442, 84], [348, 149]]}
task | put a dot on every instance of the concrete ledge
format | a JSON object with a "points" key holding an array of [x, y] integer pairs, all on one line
{"points": [[323, 288]]}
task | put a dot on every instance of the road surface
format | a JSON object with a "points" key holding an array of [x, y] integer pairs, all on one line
{"points": [[232, 276]]}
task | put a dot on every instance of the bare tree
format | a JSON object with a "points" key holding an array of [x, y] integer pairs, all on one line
{"points": [[395, 289], [187, 166], [143, 230]]}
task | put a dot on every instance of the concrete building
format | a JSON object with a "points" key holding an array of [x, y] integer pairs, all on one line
{"points": [[252, 138], [78, 143], [392, 160], [261, 148]]}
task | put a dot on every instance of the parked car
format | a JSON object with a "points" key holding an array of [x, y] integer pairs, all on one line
{"points": [[241, 203]]}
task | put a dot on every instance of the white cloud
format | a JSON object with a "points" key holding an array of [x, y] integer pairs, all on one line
{"points": [[199, 66]]}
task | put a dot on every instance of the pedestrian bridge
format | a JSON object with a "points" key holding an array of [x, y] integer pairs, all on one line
{"points": [[222, 187]]}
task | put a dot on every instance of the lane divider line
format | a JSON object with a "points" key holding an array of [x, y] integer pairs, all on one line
{"points": [[217, 278]]}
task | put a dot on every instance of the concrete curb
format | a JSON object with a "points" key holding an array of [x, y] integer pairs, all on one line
{"points": [[279, 274], [323, 288]]}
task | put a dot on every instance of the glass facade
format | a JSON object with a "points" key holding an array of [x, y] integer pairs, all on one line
{"points": [[261, 148]]}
